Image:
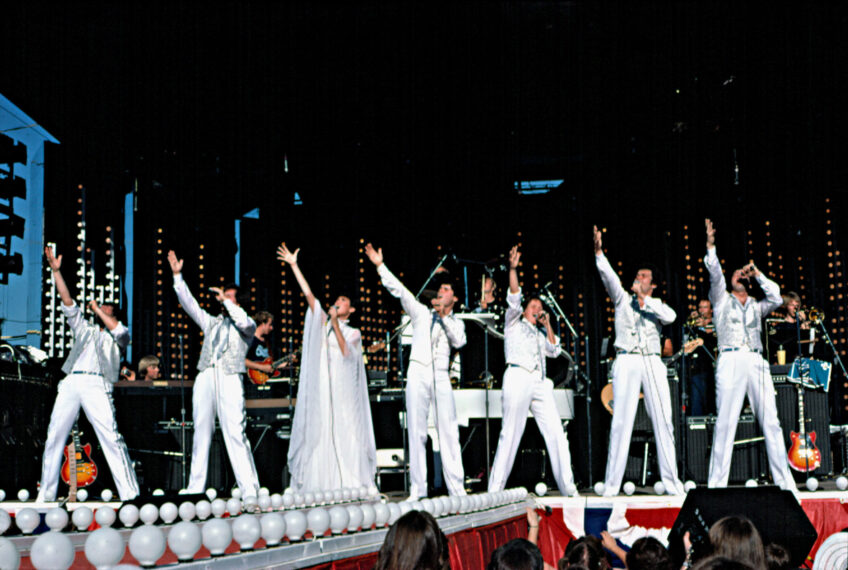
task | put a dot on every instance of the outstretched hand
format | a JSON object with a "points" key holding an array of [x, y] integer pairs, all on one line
{"points": [[597, 239], [607, 540], [375, 255], [286, 256], [514, 257], [54, 262], [710, 233], [176, 264], [219, 293], [533, 517]]}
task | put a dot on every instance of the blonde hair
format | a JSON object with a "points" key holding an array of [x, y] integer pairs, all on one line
{"points": [[145, 363]]}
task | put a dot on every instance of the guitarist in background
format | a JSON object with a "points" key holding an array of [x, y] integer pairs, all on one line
{"points": [[92, 367], [741, 368], [258, 353], [702, 365]]}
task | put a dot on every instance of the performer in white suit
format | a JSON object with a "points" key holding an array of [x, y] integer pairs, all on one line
{"points": [[91, 367], [218, 388], [434, 332], [741, 368], [526, 387], [332, 441], [638, 366]]}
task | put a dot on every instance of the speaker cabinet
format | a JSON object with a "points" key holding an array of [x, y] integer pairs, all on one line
{"points": [[816, 414], [749, 458]]}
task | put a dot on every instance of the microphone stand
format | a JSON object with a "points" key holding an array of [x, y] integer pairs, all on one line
{"points": [[182, 415]]}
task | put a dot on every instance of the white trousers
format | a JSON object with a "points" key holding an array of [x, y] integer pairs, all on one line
{"points": [[737, 374], [217, 393], [93, 394], [630, 374], [420, 391], [522, 392]]}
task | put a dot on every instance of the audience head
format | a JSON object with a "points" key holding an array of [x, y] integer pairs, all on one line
{"points": [[414, 542], [648, 553], [737, 538], [585, 551], [517, 554], [720, 563], [777, 557]]}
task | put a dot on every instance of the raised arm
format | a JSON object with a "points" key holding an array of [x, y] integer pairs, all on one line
{"points": [[772, 290], [118, 331], [55, 264], [290, 258], [611, 281], [514, 258], [513, 297], [718, 286], [415, 309], [186, 299]]}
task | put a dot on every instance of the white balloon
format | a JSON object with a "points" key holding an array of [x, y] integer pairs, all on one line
{"points": [[128, 515], [203, 509], [337, 495], [82, 495], [405, 507], [105, 516], [629, 488], [23, 495], [599, 488], [211, 494], [346, 494], [354, 518], [381, 514], [812, 483], [264, 492], [395, 512], [541, 489], [2, 495], [5, 521], [372, 491], [570, 490], [455, 503], [234, 507], [689, 485], [464, 503], [264, 502], [27, 520], [308, 499], [147, 544], [427, 503], [216, 535], [276, 501], [288, 500], [184, 539], [751, 483], [298, 499], [250, 503], [659, 488], [319, 497], [368, 516], [81, 517], [445, 510], [148, 513], [339, 518], [106, 495], [842, 483], [246, 531], [56, 519], [273, 528], [363, 492], [318, 521], [168, 512], [104, 547], [219, 507], [295, 524], [187, 510], [52, 550], [236, 493], [9, 555], [158, 493]]}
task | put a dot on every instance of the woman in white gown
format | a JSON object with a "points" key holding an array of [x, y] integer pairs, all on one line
{"points": [[332, 441]]}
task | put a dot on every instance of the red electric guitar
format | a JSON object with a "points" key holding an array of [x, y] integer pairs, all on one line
{"points": [[803, 455], [258, 377], [84, 467]]}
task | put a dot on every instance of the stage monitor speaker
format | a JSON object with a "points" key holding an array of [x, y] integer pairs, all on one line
{"points": [[817, 414], [776, 514], [748, 461]]}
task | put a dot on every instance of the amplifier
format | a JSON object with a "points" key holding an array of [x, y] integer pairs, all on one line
{"points": [[816, 413], [749, 457]]}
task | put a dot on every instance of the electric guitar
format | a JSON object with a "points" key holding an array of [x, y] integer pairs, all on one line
{"points": [[803, 454], [258, 377], [688, 348], [84, 467]]}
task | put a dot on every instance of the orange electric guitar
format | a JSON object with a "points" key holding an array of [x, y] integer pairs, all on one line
{"points": [[84, 467], [803, 455], [258, 377]]}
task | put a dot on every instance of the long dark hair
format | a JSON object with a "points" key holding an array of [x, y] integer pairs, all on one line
{"points": [[737, 538], [414, 542]]}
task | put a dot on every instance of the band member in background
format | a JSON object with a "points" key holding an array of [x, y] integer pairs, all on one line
{"points": [[218, 387], [91, 367], [258, 352], [332, 440], [433, 334], [487, 295], [148, 368], [791, 332], [701, 361], [741, 368], [638, 366], [526, 387]]}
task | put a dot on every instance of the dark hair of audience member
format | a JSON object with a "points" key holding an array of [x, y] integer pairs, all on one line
{"points": [[736, 537], [414, 542], [648, 553], [777, 557], [585, 551], [517, 554], [720, 563]]}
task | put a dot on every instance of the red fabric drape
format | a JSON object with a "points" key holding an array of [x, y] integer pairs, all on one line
{"points": [[828, 516], [554, 536]]}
